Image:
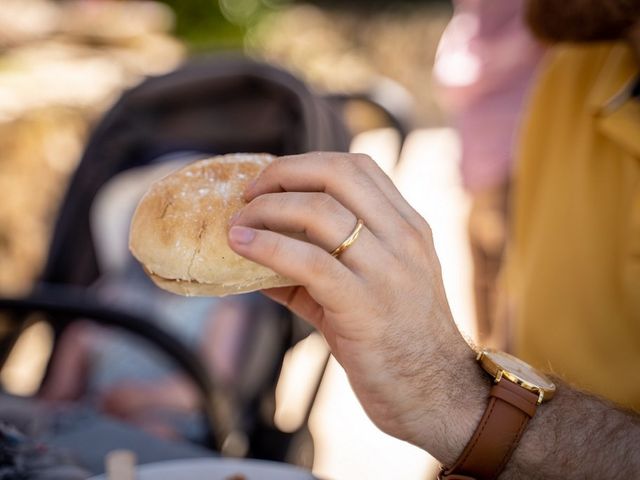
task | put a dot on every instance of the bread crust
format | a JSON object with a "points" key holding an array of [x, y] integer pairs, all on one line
{"points": [[179, 229]]}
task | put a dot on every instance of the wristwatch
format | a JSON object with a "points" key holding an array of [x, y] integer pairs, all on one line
{"points": [[517, 391]]}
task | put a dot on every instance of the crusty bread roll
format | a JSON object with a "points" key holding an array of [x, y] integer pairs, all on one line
{"points": [[179, 229]]}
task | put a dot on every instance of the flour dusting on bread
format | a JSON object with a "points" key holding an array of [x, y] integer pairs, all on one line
{"points": [[179, 229]]}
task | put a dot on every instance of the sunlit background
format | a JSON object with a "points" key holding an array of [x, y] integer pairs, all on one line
{"points": [[63, 64]]}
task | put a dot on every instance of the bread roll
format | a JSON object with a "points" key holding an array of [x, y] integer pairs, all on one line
{"points": [[179, 229]]}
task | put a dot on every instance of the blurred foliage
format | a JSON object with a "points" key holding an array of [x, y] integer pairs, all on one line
{"points": [[371, 4], [218, 24], [203, 26], [222, 24]]}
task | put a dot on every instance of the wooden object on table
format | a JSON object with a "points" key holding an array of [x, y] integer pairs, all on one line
{"points": [[120, 465]]}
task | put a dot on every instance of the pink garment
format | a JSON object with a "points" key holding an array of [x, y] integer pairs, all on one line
{"points": [[484, 66]]}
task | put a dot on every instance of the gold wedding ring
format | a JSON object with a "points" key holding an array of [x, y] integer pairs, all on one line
{"points": [[349, 240]]}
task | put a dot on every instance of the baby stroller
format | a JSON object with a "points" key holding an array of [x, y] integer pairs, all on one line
{"points": [[208, 106]]}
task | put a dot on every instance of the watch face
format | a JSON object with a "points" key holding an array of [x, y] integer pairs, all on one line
{"points": [[520, 369]]}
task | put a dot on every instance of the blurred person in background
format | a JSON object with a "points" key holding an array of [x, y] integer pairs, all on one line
{"points": [[573, 266], [484, 67], [572, 275]]}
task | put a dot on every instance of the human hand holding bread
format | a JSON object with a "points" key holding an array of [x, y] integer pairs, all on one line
{"points": [[381, 304]]}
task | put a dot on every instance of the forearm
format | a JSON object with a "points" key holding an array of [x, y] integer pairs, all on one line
{"points": [[577, 435]]}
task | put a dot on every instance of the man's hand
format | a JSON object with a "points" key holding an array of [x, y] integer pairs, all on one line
{"points": [[381, 305], [382, 308]]}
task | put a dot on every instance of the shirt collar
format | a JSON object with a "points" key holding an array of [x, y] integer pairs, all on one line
{"points": [[611, 99]]}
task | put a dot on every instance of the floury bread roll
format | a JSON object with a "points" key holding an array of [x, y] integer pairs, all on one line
{"points": [[179, 229]]}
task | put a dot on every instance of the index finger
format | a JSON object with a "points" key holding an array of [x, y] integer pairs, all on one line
{"points": [[330, 283]]}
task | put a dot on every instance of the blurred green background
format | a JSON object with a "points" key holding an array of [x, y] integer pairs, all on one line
{"points": [[207, 25]]}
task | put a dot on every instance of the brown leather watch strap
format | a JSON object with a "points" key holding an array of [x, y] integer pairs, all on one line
{"points": [[485, 456]]}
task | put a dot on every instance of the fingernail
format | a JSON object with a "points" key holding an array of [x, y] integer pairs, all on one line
{"points": [[242, 235]]}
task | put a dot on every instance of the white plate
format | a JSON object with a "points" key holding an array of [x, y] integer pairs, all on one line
{"points": [[217, 469]]}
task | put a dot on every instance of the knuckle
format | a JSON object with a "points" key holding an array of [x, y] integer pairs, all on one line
{"points": [[266, 171], [259, 202], [273, 168], [262, 203], [281, 202], [324, 203], [342, 163], [348, 166], [277, 163], [318, 200], [274, 248], [413, 240], [362, 160], [425, 229]]}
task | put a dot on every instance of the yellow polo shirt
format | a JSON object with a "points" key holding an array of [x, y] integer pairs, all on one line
{"points": [[573, 272]]}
